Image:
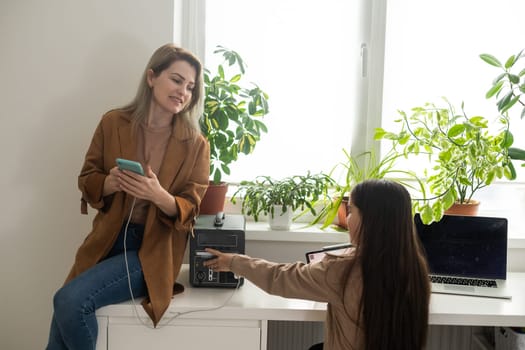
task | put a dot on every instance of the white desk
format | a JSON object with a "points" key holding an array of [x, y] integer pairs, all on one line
{"points": [[244, 318], [476, 311]]}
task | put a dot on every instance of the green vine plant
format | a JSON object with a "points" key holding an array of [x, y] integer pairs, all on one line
{"points": [[232, 118], [508, 88], [355, 169], [463, 155]]}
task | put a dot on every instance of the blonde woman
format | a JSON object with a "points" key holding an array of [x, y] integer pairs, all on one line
{"points": [[158, 129]]}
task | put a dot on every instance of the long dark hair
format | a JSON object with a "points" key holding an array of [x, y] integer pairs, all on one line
{"points": [[396, 288]]}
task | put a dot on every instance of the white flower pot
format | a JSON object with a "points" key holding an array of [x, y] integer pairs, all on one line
{"points": [[280, 221]]}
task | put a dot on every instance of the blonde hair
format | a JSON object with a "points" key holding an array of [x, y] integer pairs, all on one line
{"points": [[161, 59]]}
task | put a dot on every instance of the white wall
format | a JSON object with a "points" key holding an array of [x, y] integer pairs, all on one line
{"points": [[62, 64]]}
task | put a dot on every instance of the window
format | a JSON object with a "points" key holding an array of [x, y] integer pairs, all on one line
{"points": [[432, 49], [306, 55]]}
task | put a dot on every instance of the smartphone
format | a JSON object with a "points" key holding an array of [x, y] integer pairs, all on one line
{"points": [[125, 164]]}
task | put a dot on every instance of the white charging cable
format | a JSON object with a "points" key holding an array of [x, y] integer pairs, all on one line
{"points": [[127, 266], [176, 314]]}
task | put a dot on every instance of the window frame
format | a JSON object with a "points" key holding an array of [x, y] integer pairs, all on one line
{"points": [[191, 14], [369, 86]]}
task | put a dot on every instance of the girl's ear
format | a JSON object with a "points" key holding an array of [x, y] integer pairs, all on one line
{"points": [[149, 77]]}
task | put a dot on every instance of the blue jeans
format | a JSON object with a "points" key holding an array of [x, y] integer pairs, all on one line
{"points": [[74, 324]]}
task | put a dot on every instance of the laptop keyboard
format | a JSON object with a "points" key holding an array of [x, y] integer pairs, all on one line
{"points": [[464, 281]]}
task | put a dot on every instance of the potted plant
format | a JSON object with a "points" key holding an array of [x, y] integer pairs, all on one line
{"points": [[232, 120], [508, 88], [353, 170], [463, 155], [279, 199]]}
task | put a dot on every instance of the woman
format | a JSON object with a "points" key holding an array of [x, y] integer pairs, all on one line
{"points": [[159, 129], [377, 293]]}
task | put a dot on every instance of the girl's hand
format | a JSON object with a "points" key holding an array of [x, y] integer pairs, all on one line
{"points": [[221, 262]]}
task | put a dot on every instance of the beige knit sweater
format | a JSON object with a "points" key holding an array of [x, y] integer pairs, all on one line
{"points": [[335, 280]]}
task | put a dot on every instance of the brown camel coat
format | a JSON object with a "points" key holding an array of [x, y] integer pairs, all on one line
{"points": [[184, 173]]}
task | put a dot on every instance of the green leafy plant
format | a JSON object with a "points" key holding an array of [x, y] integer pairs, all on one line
{"points": [[463, 155], [232, 113], [508, 88], [355, 169], [291, 193]]}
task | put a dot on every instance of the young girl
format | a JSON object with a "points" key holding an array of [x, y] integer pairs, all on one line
{"points": [[377, 294], [159, 129]]}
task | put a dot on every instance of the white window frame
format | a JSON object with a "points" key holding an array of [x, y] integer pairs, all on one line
{"points": [[369, 87], [190, 15]]}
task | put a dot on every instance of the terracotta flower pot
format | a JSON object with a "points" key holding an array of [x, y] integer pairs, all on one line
{"points": [[213, 200], [342, 214], [469, 209]]}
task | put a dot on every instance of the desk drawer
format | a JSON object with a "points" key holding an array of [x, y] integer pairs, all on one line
{"points": [[192, 335]]}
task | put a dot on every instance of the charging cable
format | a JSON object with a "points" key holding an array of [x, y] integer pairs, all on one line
{"points": [[175, 314], [178, 314]]}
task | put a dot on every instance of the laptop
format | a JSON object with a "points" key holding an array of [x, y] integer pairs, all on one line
{"points": [[318, 255], [467, 255]]}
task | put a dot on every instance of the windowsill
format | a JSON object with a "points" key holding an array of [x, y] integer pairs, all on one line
{"points": [[501, 199], [260, 231]]}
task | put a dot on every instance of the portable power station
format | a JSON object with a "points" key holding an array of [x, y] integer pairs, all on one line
{"points": [[224, 232]]}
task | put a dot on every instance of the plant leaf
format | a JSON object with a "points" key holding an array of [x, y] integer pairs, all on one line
{"points": [[491, 60], [456, 130], [517, 153], [510, 62], [495, 89]]}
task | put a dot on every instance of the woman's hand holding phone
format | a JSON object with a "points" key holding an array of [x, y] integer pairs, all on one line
{"points": [[112, 182], [131, 178], [145, 186]]}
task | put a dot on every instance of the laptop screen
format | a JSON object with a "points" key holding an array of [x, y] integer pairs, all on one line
{"points": [[465, 246]]}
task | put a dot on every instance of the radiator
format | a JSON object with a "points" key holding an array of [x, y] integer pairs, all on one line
{"points": [[292, 335], [449, 338]]}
